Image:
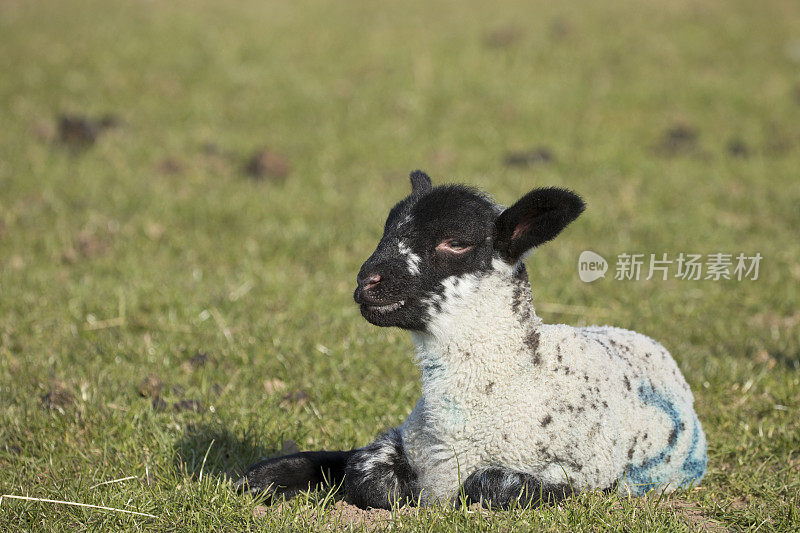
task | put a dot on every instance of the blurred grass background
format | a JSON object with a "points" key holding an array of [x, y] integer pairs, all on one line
{"points": [[165, 298]]}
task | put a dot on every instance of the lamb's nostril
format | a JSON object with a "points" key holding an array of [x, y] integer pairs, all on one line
{"points": [[371, 282]]}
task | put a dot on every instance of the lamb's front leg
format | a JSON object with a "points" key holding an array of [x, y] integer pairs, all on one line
{"points": [[379, 475], [499, 488], [290, 475]]}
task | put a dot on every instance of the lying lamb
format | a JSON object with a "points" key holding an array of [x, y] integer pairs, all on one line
{"points": [[516, 409]]}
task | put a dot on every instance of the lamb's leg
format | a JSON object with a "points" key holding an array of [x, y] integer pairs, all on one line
{"points": [[291, 474], [379, 475], [499, 488]]}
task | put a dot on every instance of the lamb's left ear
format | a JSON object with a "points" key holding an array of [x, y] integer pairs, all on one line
{"points": [[420, 182], [536, 218]]}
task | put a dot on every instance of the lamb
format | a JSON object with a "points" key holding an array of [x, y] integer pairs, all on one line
{"points": [[512, 409]]}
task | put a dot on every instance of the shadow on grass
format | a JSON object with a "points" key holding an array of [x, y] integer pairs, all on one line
{"points": [[787, 359], [213, 450]]}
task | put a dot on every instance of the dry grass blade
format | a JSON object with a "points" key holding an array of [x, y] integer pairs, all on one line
{"points": [[111, 481], [75, 504]]}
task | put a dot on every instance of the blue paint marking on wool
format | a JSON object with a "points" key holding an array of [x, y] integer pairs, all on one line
{"points": [[451, 406], [697, 459], [432, 368], [447, 409], [649, 474]]}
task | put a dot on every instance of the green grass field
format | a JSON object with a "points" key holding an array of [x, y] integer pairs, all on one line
{"points": [[167, 319]]}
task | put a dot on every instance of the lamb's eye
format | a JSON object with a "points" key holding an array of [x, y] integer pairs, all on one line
{"points": [[454, 246]]}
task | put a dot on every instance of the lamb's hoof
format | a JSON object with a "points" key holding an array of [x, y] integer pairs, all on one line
{"points": [[261, 489], [272, 478]]}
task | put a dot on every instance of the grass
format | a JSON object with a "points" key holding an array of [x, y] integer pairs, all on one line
{"points": [[679, 123]]}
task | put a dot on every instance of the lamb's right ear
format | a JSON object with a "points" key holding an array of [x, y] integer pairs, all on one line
{"points": [[535, 219], [420, 181]]}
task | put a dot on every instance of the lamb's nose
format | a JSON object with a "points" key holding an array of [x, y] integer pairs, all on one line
{"points": [[371, 282]]}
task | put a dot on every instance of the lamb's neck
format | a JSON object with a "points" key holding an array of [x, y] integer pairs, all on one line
{"points": [[486, 325]]}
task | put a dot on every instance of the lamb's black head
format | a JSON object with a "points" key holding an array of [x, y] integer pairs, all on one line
{"points": [[438, 235]]}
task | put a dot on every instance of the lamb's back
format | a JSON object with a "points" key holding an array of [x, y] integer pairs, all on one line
{"points": [[659, 439]]}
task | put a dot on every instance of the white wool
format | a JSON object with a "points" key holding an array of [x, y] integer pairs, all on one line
{"points": [[500, 388]]}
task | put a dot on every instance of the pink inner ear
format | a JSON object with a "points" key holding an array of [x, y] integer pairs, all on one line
{"points": [[522, 227]]}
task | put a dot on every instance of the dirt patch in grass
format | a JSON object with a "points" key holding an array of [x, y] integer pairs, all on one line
{"points": [[86, 245], [151, 386], [187, 405], [198, 360], [503, 37], [559, 29], [694, 516], [171, 166], [525, 158], [678, 140], [736, 147], [298, 398], [79, 131], [339, 513], [267, 164], [182, 405], [354, 515], [58, 399], [158, 404]]}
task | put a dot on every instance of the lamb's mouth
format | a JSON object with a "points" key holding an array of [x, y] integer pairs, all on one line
{"points": [[388, 308]]}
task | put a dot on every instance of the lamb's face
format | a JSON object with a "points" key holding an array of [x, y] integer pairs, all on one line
{"points": [[439, 236], [430, 236]]}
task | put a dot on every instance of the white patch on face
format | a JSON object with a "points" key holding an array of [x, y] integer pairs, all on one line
{"points": [[412, 259], [502, 267], [383, 309], [458, 289], [509, 269]]}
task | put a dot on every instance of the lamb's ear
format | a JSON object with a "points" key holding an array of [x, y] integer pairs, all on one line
{"points": [[536, 218], [420, 181]]}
